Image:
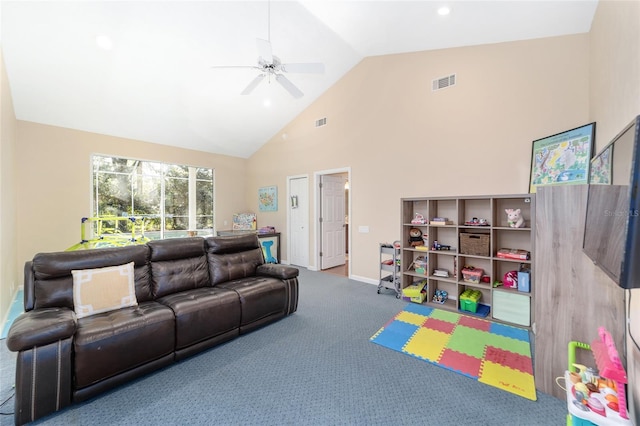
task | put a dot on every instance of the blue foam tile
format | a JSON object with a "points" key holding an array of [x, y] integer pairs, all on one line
{"points": [[509, 331], [415, 308], [395, 335]]}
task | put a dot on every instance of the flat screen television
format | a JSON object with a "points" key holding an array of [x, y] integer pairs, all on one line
{"points": [[612, 225]]}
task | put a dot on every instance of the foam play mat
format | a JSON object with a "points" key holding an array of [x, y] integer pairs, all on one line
{"points": [[495, 354]]}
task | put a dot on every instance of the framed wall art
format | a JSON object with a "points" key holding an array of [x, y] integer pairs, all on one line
{"points": [[268, 199], [563, 158]]}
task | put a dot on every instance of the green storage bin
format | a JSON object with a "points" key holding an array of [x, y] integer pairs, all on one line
{"points": [[469, 300]]}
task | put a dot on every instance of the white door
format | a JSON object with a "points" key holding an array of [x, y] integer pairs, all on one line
{"points": [[332, 222], [299, 221]]}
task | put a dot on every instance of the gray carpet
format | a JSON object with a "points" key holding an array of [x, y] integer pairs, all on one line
{"points": [[316, 367]]}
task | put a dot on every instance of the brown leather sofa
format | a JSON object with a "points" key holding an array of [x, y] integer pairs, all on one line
{"points": [[192, 294]]}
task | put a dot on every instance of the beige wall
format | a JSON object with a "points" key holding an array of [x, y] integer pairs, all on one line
{"points": [[614, 82], [401, 139], [9, 280], [55, 186]]}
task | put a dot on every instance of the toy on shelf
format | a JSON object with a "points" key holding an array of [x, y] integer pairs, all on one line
{"points": [[437, 246], [415, 237], [418, 219], [514, 218], [440, 221], [477, 222], [440, 296], [442, 273]]}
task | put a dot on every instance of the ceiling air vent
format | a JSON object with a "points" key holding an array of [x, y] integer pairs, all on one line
{"points": [[321, 122], [441, 83]]}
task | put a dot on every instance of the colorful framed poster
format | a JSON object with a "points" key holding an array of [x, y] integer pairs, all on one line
{"points": [[563, 158], [268, 199], [244, 222], [600, 173]]}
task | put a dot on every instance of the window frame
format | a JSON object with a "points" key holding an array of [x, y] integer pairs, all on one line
{"points": [[192, 180]]}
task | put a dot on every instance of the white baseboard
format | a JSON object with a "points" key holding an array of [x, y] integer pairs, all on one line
{"points": [[363, 279]]}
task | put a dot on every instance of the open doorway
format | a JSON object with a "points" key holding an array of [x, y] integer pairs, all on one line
{"points": [[332, 212]]}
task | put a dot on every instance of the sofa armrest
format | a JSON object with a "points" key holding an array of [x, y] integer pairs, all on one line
{"points": [[275, 270], [40, 327]]}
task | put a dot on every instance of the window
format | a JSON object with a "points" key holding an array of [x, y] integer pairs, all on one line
{"points": [[171, 199]]}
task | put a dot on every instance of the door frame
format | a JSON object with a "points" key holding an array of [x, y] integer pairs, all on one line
{"points": [[289, 179], [317, 212]]}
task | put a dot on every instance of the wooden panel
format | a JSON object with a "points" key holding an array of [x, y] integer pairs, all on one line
{"points": [[573, 297]]}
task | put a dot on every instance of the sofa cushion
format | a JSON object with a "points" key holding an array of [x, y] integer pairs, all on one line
{"points": [[178, 264], [233, 258], [260, 297], [103, 289], [52, 282], [112, 342], [203, 313]]}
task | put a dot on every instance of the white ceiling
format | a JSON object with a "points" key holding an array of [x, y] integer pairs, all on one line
{"points": [[157, 83]]}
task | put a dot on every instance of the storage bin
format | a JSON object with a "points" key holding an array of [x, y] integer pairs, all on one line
{"points": [[420, 266], [469, 300], [512, 307], [474, 244], [472, 275], [416, 292]]}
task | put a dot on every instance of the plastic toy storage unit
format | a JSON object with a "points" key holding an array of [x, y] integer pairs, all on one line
{"points": [[390, 269], [502, 304]]}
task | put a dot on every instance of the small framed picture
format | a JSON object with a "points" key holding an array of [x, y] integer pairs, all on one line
{"points": [[268, 199]]}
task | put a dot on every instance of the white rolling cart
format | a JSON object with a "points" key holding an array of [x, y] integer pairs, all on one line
{"points": [[390, 269]]}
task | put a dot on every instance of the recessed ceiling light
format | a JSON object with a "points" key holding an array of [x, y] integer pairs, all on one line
{"points": [[443, 11], [104, 42]]}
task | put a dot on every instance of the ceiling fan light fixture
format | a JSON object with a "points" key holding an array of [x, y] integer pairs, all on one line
{"points": [[444, 11]]}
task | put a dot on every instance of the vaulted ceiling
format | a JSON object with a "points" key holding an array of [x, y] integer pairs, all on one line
{"points": [[156, 79]]}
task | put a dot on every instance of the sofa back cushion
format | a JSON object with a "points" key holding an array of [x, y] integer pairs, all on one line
{"points": [[232, 258], [178, 264], [49, 283]]}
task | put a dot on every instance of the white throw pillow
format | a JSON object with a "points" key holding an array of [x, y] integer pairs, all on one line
{"points": [[103, 289]]}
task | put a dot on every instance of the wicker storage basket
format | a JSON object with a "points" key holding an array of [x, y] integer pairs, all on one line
{"points": [[474, 244]]}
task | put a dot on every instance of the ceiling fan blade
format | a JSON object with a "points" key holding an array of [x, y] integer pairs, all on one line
{"points": [[309, 68], [264, 50], [236, 67], [289, 86], [252, 85]]}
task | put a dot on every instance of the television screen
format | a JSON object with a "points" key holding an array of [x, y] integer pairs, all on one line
{"points": [[612, 223]]}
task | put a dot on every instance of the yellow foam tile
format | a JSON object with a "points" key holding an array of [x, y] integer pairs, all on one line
{"points": [[508, 379], [411, 318], [427, 344]]}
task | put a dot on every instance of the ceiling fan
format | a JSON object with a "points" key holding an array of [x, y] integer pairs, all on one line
{"points": [[270, 65]]}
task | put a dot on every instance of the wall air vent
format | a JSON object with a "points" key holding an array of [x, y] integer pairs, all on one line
{"points": [[443, 82], [321, 122]]}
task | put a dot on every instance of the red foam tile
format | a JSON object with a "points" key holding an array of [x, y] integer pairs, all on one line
{"points": [[475, 323], [508, 359], [439, 325], [462, 363]]}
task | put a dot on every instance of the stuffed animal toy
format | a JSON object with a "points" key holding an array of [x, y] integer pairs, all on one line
{"points": [[514, 218], [415, 237]]}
